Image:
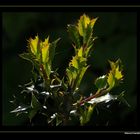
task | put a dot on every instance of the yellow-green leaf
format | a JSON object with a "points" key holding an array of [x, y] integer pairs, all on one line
{"points": [[86, 115], [71, 74], [111, 80], [82, 24], [112, 64], [93, 21], [80, 52], [115, 74], [80, 75], [45, 50], [74, 61], [34, 44], [86, 20], [46, 42], [118, 74], [45, 53], [78, 62]]}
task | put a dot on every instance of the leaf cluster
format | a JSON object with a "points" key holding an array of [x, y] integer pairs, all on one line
{"points": [[59, 100]]}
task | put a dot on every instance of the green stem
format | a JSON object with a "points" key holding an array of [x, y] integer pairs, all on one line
{"points": [[43, 72]]}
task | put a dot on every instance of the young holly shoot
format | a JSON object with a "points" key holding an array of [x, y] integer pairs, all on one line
{"points": [[60, 101]]}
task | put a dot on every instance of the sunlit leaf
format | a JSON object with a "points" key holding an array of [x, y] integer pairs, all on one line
{"points": [[118, 74], [111, 80], [74, 62], [115, 74], [89, 113], [86, 115], [93, 21], [80, 76], [78, 62], [80, 52], [82, 24], [45, 50], [87, 35], [34, 45], [46, 42], [76, 70]]}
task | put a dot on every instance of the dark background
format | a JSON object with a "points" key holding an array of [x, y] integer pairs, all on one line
{"points": [[117, 38]]}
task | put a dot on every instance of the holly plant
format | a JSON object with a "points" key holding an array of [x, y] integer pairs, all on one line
{"points": [[59, 101]]}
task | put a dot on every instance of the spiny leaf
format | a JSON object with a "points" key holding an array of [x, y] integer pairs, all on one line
{"points": [[34, 45], [45, 50], [111, 80], [46, 42], [35, 104], [83, 24], [74, 35], [80, 52], [26, 56], [93, 21], [72, 74], [22, 108], [74, 62], [118, 74], [52, 50], [86, 115], [78, 62], [32, 114], [32, 59], [48, 52], [89, 113], [80, 76], [115, 74]]}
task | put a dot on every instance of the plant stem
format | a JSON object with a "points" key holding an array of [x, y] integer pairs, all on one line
{"points": [[43, 72], [97, 94]]}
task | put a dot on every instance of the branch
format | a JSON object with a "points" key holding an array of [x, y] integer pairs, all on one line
{"points": [[97, 94]]}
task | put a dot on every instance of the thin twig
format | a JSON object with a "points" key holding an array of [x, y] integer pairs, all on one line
{"points": [[97, 94]]}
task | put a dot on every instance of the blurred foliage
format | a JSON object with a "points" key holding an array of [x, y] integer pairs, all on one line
{"points": [[117, 38]]}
